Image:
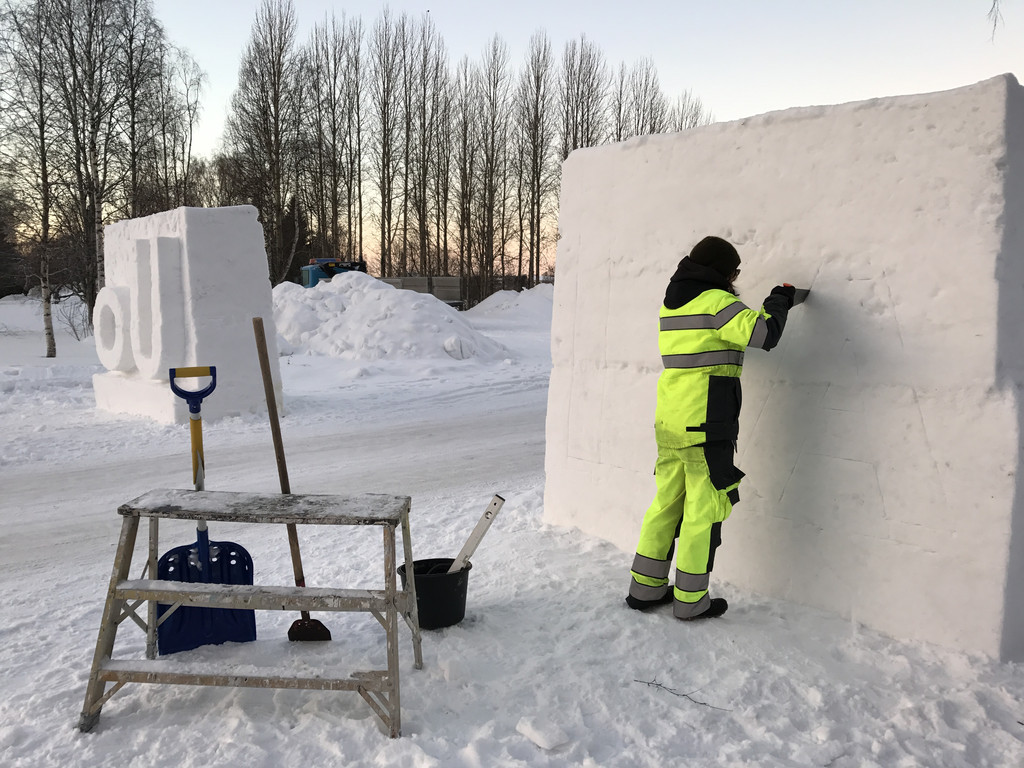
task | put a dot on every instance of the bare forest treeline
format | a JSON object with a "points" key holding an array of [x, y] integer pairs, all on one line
{"points": [[361, 141]]}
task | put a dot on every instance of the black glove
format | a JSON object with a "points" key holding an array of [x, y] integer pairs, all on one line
{"points": [[786, 291]]}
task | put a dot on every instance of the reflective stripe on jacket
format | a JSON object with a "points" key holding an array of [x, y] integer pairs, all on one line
{"points": [[702, 345]]}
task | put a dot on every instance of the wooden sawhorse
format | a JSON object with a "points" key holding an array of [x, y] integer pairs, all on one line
{"points": [[379, 688]]}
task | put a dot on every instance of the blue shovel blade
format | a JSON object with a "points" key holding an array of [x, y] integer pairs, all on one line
{"points": [[190, 627]]}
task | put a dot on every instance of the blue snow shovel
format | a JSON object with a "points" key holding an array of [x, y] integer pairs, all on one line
{"points": [[205, 561]]}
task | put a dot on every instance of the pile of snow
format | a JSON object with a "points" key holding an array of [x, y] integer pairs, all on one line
{"points": [[356, 317], [19, 314], [22, 315], [532, 307], [41, 382]]}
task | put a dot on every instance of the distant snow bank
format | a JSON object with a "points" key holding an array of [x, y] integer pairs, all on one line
{"points": [[534, 304], [357, 317], [20, 313]]}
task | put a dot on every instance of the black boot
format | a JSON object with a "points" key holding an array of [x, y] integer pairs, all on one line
{"points": [[719, 605], [642, 605]]}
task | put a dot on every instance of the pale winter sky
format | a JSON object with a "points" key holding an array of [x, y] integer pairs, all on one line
{"points": [[740, 57]]}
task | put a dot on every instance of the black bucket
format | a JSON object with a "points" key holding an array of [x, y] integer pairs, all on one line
{"points": [[440, 596]]}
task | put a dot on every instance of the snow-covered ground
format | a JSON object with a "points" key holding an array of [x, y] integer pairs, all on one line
{"points": [[549, 667]]}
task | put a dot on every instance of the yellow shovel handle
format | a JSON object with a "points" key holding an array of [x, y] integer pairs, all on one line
{"points": [[198, 464], [193, 372]]}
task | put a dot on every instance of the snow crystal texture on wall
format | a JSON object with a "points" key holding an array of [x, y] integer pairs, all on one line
{"points": [[881, 438]]}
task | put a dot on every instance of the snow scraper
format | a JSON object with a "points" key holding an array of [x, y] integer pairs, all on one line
{"points": [[304, 628], [205, 561], [799, 294]]}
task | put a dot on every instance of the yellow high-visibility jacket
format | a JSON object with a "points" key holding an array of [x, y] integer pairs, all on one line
{"points": [[702, 344]]}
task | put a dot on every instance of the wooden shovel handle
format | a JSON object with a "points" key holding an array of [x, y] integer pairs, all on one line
{"points": [[275, 430]]}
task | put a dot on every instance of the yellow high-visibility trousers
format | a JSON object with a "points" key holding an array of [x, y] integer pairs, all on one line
{"points": [[688, 505]]}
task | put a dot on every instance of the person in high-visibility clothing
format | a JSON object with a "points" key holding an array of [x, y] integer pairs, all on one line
{"points": [[704, 331]]}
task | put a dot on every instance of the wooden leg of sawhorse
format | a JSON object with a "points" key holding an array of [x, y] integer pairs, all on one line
{"points": [[391, 630], [112, 608], [151, 620], [412, 616], [387, 702]]}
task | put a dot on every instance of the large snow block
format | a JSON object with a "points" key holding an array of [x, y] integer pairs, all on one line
{"points": [[881, 439], [182, 289]]}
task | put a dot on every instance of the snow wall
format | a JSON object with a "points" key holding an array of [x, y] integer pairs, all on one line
{"points": [[181, 290], [881, 438]]}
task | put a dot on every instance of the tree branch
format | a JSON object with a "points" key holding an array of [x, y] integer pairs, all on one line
{"points": [[995, 15], [655, 684]]}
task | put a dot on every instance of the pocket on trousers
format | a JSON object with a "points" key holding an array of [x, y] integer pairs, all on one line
{"points": [[722, 471]]}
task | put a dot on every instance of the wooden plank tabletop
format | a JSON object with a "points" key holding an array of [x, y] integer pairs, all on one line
{"points": [[300, 509]]}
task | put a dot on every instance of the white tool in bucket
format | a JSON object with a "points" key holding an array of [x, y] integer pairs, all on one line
{"points": [[441, 582], [478, 533]]}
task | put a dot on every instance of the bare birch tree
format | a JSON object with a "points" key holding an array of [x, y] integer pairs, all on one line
{"points": [[584, 81], [493, 84], [385, 150], [618, 104], [535, 101], [176, 91], [688, 112], [141, 71], [406, 42], [320, 136], [428, 79], [87, 45], [444, 165], [648, 108], [638, 106], [354, 90], [263, 127], [27, 105], [332, 129], [465, 155]]}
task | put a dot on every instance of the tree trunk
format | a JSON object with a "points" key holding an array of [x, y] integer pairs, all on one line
{"points": [[44, 285]]}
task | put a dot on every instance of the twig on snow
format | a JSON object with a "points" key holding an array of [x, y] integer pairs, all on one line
{"points": [[655, 684]]}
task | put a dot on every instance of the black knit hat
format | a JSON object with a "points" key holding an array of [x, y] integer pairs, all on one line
{"points": [[718, 254]]}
